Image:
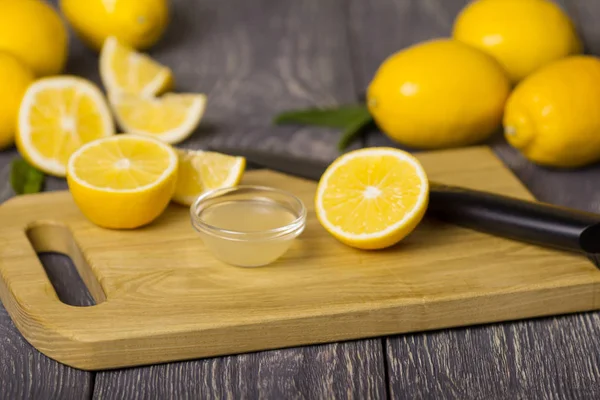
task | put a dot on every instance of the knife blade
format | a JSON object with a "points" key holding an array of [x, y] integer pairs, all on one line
{"points": [[523, 220]]}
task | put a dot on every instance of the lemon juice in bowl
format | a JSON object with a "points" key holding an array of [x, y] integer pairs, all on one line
{"points": [[248, 226]]}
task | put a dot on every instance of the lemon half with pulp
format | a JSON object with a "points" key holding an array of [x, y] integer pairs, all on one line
{"points": [[124, 181], [57, 116], [372, 198]]}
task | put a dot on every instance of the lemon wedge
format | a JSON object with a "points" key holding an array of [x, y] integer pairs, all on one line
{"points": [[200, 171], [123, 69], [124, 181], [56, 116], [170, 118], [372, 198]]}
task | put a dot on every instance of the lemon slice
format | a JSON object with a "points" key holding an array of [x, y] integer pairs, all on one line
{"points": [[372, 198], [56, 116], [200, 171], [122, 69], [123, 182], [171, 118]]}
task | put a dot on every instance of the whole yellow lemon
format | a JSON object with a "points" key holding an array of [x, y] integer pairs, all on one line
{"points": [[522, 35], [552, 116], [138, 23], [15, 77], [439, 93], [33, 31]]}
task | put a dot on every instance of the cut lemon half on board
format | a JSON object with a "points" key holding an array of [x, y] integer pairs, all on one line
{"points": [[58, 115], [122, 69], [372, 198], [200, 171], [170, 118], [124, 181]]}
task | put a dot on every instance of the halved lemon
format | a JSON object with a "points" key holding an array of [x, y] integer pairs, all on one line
{"points": [[171, 118], [122, 69], [372, 198], [124, 181], [200, 171], [56, 116]]}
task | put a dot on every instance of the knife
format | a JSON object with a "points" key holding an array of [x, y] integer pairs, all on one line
{"points": [[528, 221]]}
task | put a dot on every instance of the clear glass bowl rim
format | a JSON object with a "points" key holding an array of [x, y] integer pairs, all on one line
{"points": [[292, 228]]}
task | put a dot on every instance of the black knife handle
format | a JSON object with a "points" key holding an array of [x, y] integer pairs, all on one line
{"points": [[533, 222]]}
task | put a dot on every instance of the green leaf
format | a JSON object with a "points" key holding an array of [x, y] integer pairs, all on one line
{"points": [[353, 131], [25, 178], [351, 118], [339, 117]]}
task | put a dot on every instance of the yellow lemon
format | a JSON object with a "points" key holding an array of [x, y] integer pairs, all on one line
{"points": [[56, 116], [15, 77], [436, 94], [137, 23], [124, 181], [124, 70], [171, 118], [522, 35], [373, 197], [200, 171], [552, 115], [33, 32]]}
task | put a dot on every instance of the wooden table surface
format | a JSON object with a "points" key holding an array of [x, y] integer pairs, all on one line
{"points": [[254, 58]]}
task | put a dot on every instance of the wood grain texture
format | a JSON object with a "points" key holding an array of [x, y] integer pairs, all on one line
{"points": [[209, 48], [245, 88], [534, 340], [347, 370], [549, 358], [156, 307], [25, 373], [255, 59]]}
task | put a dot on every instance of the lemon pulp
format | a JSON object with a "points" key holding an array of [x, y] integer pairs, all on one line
{"points": [[57, 116], [372, 198], [124, 181]]}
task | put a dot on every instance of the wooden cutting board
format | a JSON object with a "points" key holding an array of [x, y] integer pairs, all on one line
{"points": [[162, 297]]}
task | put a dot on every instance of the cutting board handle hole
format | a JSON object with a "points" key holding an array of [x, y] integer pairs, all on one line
{"points": [[65, 265]]}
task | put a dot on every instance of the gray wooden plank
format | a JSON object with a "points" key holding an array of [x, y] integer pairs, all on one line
{"points": [[551, 358], [576, 188], [255, 59], [26, 373], [546, 358], [341, 370]]}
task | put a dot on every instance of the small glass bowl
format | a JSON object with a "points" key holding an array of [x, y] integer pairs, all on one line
{"points": [[255, 226]]}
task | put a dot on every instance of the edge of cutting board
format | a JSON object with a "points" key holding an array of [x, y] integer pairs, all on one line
{"points": [[37, 312]]}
